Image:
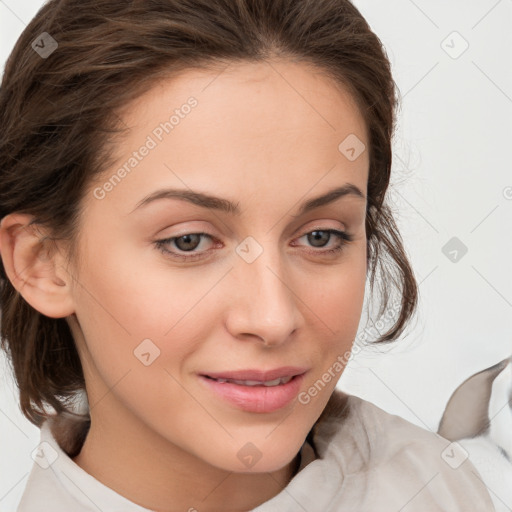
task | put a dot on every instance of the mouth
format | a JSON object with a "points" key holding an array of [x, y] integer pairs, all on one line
{"points": [[256, 390], [267, 383], [268, 378]]}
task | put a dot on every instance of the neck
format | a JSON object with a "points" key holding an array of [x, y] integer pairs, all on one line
{"points": [[152, 472]]}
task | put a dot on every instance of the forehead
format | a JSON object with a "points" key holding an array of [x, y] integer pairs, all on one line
{"points": [[281, 91], [253, 125]]}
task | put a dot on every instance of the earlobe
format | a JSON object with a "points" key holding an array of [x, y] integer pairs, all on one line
{"points": [[34, 268]]}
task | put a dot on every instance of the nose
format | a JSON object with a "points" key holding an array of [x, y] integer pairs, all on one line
{"points": [[264, 305]]}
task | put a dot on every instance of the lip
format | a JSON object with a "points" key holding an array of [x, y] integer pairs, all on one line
{"points": [[262, 375], [257, 399]]}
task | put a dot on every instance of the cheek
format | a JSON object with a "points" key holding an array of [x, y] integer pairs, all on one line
{"points": [[133, 291], [336, 294], [337, 304], [122, 301], [340, 301]]}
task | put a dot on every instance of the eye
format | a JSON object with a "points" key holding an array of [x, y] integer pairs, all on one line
{"points": [[185, 243], [319, 238], [189, 242]]}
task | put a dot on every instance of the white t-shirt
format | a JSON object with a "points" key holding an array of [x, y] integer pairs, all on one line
{"points": [[360, 459]]}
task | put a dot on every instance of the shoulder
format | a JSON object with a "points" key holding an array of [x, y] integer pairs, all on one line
{"points": [[46, 485], [373, 432], [376, 432], [389, 456], [58, 484]]}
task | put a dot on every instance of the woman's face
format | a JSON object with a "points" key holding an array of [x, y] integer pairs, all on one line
{"points": [[165, 328]]}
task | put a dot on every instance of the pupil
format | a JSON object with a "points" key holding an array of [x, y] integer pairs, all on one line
{"points": [[317, 236], [187, 239]]}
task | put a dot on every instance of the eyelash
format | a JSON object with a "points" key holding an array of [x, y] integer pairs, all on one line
{"points": [[344, 238]]}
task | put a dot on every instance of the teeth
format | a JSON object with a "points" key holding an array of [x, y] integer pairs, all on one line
{"points": [[247, 382], [268, 383]]}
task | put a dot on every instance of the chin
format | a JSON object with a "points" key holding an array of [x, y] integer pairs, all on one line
{"points": [[261, 456]]}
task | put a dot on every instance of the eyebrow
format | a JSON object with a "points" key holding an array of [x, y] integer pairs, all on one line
{"points": [[227, 206]]}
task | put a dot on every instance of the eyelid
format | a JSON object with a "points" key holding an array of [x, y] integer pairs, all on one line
{"points": [[190, 256], [318, 226]]}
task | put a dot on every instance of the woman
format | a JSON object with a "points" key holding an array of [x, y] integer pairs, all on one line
{"points": [[192, 200]]}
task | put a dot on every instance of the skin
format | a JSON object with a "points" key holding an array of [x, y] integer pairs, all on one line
{"points": [[265, 136]]}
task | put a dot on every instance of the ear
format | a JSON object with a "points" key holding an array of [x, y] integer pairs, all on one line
{"points": [[35, 267]]}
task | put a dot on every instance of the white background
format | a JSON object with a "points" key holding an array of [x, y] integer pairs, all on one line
{"points": [[452, 167]]}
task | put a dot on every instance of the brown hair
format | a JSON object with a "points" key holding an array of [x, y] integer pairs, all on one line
{"points": [[58, 118]]}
